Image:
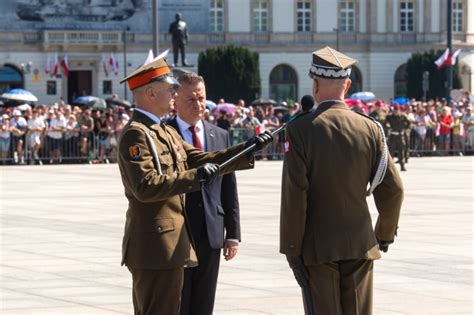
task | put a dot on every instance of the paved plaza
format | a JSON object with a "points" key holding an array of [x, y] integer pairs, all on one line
{"points": [[61, 234]]}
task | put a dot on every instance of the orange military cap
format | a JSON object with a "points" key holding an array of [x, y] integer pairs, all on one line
{"points": [[157, 70]]}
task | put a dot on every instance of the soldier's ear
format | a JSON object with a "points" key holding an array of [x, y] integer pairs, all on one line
{"points": [[315, 86], [348, 85]]}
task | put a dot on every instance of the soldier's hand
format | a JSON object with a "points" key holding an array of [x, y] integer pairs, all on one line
{"points": [[207, 172], [383, 245], [299, 269], [260, 140]]}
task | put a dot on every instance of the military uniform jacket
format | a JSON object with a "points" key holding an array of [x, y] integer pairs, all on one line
{"points": [[329, 161], [156, 235]]}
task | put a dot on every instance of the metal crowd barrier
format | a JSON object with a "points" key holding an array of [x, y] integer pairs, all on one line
{"points": [[90, 147], [71, 147]]}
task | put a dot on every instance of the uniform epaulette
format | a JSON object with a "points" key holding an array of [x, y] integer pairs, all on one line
{"points": [[367, 116], [299, 115]]}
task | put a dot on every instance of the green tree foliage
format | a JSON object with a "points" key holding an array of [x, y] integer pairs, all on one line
{"points": [[230, 72], [420, 62]]}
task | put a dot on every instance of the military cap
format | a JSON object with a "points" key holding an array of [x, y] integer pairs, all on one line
{"points": [[330, 64], [157, 70]]}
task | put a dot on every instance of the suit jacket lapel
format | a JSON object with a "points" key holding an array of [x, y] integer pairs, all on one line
{"points": [[209, 135]]}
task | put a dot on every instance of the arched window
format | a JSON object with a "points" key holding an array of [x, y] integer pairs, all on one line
{"points": [[283, 83], [10, 78], [356, 78], [400, 81]]}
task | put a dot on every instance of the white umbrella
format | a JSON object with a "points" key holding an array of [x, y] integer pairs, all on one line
{"points": [[20, 95], [23, 107], [363, 96]]}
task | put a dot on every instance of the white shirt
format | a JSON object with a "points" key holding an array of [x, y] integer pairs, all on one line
{"points": [[35, 123], [153, 117], [188, 135], [55, 122]]}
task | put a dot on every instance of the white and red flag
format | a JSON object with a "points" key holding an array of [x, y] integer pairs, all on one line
{"points": [[444, 60], [65, 66], [56, 65], [114, 63], [47, 67], [454, 56], [104, 66]]}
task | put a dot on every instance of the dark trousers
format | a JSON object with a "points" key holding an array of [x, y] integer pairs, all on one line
{"points": [[343, 287], [199, 289], [178, 46], [157, 292]]}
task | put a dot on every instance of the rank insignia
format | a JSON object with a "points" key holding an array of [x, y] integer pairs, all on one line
{"points": [[135, 151], [287, 146]]}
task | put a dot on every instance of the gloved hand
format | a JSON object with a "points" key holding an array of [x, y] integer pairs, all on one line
{"points": [[260, 140], [207, 172], [299, 270], [383, 245]]}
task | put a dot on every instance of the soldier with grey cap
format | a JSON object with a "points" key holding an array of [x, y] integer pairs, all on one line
{"points": [[158, 168], [331, 155]]}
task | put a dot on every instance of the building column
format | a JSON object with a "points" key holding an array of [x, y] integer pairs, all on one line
{"points": [[468, 16], [435, 12], [421, 17], [363, 23], [381, 16], [395, 16]]}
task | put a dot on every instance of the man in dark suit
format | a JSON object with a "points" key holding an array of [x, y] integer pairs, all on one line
{"points": [[210, 210]]}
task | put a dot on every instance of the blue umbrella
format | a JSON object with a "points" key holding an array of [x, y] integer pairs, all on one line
{"points": [[20, 95], [401, 100], [210, 105]]}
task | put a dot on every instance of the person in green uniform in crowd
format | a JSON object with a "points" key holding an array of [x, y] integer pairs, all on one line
{"points": [[397, 123]]}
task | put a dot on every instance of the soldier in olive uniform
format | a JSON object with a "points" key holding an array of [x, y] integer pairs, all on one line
{"points": [[397, 123], [326, 232], [158, 168], [379, 115]]}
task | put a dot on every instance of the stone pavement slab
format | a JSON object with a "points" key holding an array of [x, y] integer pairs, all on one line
{"points": [[61, 232]]}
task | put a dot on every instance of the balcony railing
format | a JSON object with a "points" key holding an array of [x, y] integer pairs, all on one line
{"points": [[84, 37]]}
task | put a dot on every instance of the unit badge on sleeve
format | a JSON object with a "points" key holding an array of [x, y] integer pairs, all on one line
{"points": [[135, 152]]}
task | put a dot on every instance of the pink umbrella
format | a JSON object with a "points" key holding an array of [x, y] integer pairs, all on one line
{"points": [[353, 103], [227, 107]]}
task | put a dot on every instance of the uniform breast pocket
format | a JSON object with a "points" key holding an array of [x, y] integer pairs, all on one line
{"points": [[166, 164], [164, 225]]}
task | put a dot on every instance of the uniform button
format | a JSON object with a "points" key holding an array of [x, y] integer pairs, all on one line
{"points": [[291, 246], [159, 228]]}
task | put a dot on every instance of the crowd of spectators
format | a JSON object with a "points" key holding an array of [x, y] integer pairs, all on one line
{"points": [[63, 133]]}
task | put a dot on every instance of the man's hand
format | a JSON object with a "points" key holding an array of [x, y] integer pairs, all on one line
{"points": [[230, 249], [260, 140], [383, 245], [207, 172], [299, 269]]}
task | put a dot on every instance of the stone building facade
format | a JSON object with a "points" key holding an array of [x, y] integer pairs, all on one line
{"points": [[381, 34]]}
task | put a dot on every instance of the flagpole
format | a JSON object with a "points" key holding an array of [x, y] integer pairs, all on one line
{"points": [[154, 14], [449, 68]]}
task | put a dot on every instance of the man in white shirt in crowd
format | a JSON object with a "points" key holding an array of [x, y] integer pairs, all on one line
{"points": [[36, 126], [56, 128]]}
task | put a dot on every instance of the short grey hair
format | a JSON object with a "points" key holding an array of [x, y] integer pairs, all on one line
{"points": [[190, 78]]}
